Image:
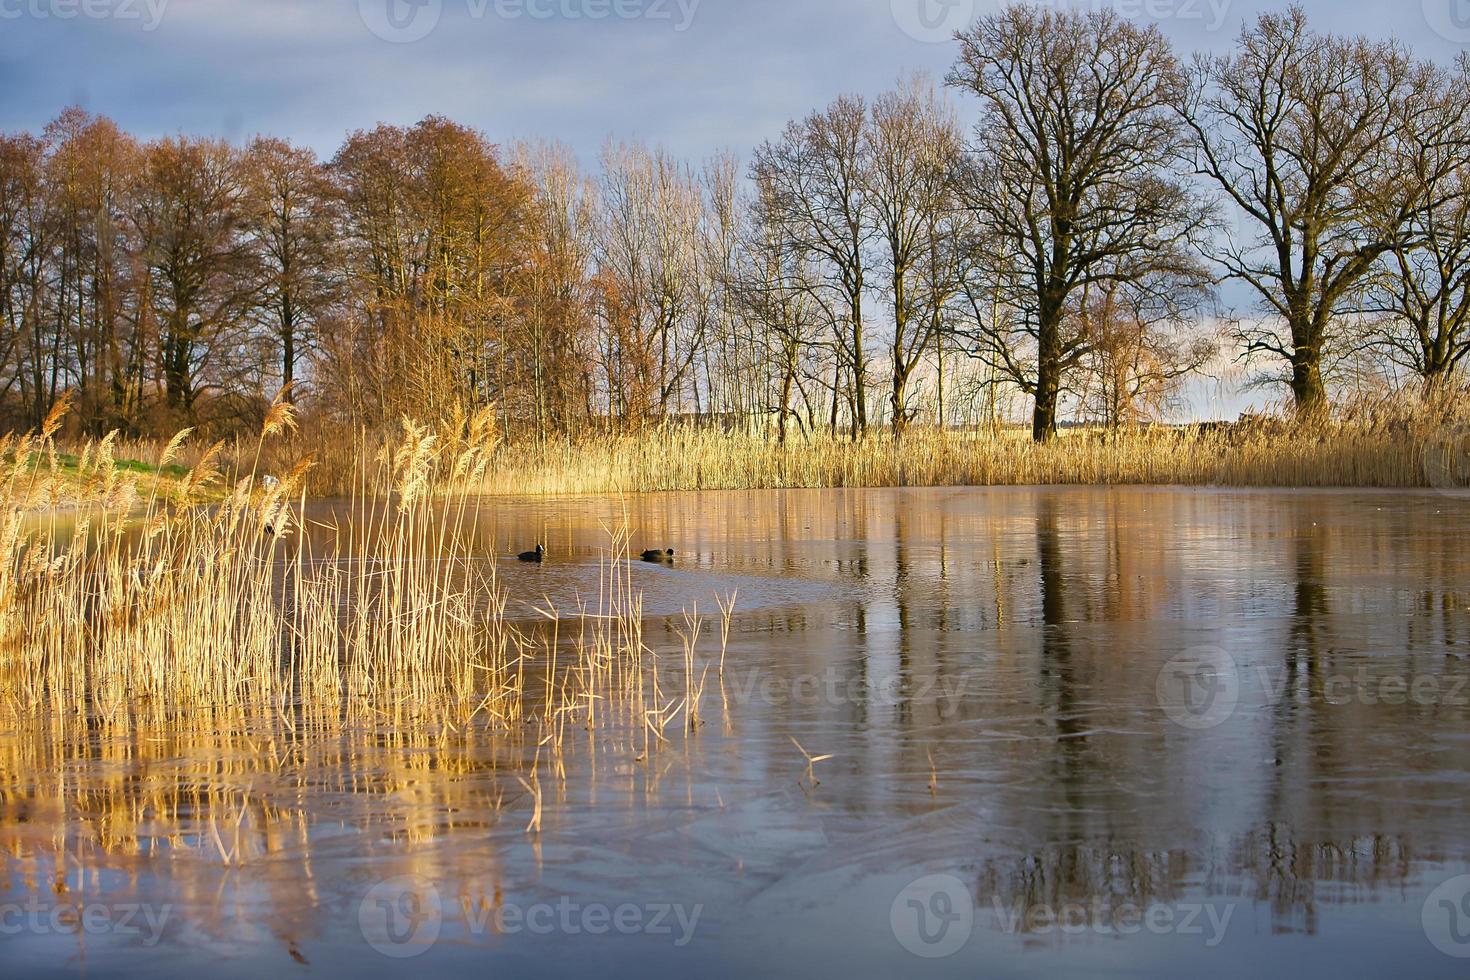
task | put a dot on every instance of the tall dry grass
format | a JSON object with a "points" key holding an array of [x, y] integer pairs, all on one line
{"points": [[185, 671], [1385, 443], [1404, 442], [187, 674], [1363, 448], [184, 604]]}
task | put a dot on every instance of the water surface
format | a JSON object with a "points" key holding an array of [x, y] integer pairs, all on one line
{"points": [[1215, 732]]}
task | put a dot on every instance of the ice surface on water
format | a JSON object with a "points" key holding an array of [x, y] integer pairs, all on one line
{"points": [[997, 675]]}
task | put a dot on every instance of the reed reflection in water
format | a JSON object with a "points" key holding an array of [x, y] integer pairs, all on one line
{"points": [[982, 666]]}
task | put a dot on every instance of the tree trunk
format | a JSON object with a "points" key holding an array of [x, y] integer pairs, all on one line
{"points": [[1048, 377], [288, 363], [900, 412], [787, 378], [177, 394], [1044, 419], [836, 397], [1436, 380], [939, 359], [1306, 380], [859, 373]]}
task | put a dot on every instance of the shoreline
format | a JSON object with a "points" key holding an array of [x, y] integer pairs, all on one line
{"points": [[1389, 452]]}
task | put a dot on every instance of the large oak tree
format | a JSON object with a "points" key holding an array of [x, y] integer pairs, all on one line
{"points": [[1073, 182], [1297, 130]]}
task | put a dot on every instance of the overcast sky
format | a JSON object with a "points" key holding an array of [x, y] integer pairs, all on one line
{"points": [[694, 75]]}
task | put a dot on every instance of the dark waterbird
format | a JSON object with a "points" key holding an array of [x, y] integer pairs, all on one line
{"points": [[537, 556], [659, 557]]}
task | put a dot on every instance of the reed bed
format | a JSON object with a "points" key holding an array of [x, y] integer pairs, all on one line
{"points": [[1354, 452], [1392, 442], [1399, 442], [190, 681], [156, 598]]}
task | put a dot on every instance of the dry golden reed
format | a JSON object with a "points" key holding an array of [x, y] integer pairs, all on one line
{"points": [[169, 601], [1403, 441], [1398, 442], [1354, 451]]}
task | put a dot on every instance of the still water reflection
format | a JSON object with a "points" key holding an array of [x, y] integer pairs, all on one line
{"points": [[1211, 732]]}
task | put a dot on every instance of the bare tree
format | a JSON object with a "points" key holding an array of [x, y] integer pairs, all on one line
{"points": [[188, 209], [1296, 128], [732, 366], [1143, 345], [291, 228], [1421, 291], [433, 224], [555, 289], [1072, 182], [948, 234], [22, 249], [774, 291], [648, 255], [86, 177], [817, 175], [914, 149]]}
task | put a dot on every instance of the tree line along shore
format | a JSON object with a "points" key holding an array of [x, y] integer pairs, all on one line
{"points": [[877, 273]]}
